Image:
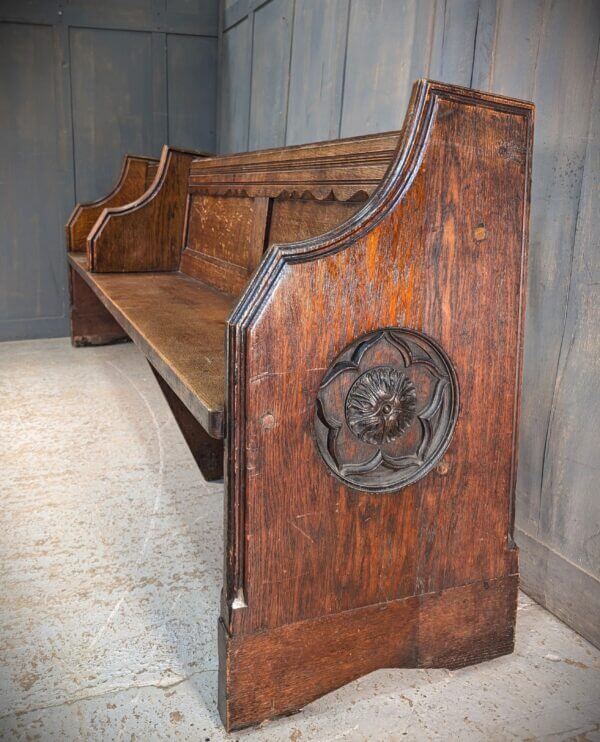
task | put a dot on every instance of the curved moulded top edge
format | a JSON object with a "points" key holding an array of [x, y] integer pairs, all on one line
{"points": [[127, 160], [151, 192], [397, 180]]}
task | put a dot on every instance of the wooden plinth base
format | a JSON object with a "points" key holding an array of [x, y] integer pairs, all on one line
{"points": [[91, 322], [277, 672]]}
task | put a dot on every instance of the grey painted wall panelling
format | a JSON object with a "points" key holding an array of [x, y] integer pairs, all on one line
{"points": [[102, 79], [547, 52], [570, 499], [453, 41], [317, 70], [234, 98], [192, 64], [114, 67], [30, 165], [379, 76], [270, 73]]}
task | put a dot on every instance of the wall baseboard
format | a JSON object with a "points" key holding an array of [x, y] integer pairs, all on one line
{"points": [[564, 588]]}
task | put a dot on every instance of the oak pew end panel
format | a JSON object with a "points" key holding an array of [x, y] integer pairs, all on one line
{"points": [[370, 512], [146, 234], [137, 174], [91, 324]]}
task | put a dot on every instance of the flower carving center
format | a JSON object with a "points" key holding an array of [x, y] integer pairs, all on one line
{"points": [[381, 405]]}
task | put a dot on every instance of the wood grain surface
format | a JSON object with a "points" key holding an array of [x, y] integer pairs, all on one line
{"points": [[344, 169], [207, 451], [224, 240], [278, 672], [91, 322]]}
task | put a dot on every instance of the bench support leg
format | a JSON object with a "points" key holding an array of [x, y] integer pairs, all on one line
{"points": [[91, 322], [206, 450]]}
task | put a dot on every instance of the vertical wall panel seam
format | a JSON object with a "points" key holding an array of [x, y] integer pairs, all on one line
{"points": [[442, 49], [475, 44], [432, 36], [219, 73], [250, 81], [287, 98], [344, 67], [160, 101], [539, 45], [168, 117], [61, 34], [492, 69], [550, 413], [66, 42]]}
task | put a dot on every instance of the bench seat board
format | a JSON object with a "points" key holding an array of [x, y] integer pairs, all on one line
{"points": [[179, 324]]}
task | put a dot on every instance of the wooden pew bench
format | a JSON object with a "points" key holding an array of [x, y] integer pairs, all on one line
{"points": [[339, 326]]}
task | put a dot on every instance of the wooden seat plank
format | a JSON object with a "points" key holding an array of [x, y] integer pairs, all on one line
{"points": [[179, 324]]}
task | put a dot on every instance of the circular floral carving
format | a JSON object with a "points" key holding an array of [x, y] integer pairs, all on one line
{"points": [[386, 409], [380, 405]]}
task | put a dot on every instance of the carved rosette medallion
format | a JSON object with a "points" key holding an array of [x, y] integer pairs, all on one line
{"points": [[386, 409]]}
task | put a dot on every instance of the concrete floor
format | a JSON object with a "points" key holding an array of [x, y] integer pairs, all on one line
{"points": [[110, 571]]}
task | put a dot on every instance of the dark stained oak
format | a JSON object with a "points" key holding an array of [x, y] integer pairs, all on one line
{"points": [[136, 177], [298, 219], [348, 318], [224, 241], [348, 169], [439, 249]]}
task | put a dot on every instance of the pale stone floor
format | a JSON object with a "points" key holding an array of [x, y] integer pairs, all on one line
{"points": [[110, 570]]}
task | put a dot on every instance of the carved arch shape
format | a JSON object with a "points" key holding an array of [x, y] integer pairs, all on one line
{"points": [[380, 427]]}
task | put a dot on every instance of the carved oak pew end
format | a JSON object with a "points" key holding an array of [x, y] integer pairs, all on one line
{"points": [[338, 327]]}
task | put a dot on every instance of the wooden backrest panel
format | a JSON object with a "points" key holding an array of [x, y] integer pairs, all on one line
{"points": [[299, 219], [240, 204], [224, 239]]}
